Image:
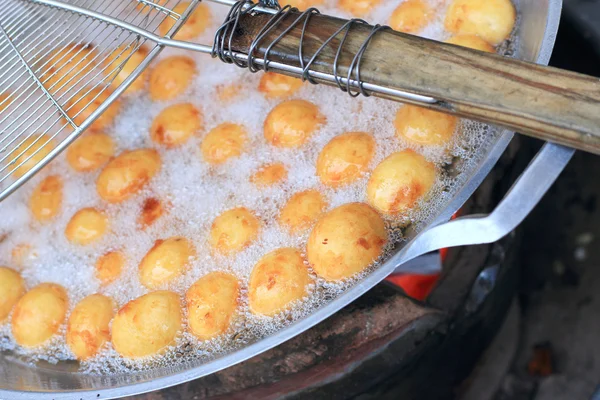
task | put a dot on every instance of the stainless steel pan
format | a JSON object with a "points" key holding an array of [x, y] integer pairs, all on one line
{"points": [[537, 31]]}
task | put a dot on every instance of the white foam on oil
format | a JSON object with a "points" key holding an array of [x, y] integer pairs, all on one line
{"points": [[196, 193]]}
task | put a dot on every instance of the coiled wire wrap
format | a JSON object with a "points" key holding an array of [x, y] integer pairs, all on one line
{"points": [[225, 34]]}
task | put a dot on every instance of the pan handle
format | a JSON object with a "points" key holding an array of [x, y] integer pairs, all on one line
{"points": [[544, 102], [520, 200]]}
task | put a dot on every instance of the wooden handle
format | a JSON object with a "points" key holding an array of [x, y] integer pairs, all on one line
{"points": [[547, 103]]}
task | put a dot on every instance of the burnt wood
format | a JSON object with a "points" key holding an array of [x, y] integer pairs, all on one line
{"points": [[544, 102]]}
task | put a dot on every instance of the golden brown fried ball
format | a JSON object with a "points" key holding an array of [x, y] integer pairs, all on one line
{"points": [[175, 125], [274, 85], [21, 252], [41, 145], [165, 261], [345, 158], [152, 209], [358, 8], [38, 315], [411, 16], [90, 152], [302, 209], [424, 127], [196, 24], [223, 142], [170, 77], [147, 325], [136, 57], [400, 181], [269, 174], [12, 288], [292, 123], [46, 200], [211, 303], [67, 65], [492, 20], [127, 174], [86, 226], [234, 230], [110, 266], [471, 42], [5, 101], [278, 278], [80, 108], [345, 241], [228, 92], [87, 328]]}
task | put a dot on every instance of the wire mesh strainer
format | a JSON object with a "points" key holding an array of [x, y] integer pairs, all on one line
{"points": [[57, 69]]}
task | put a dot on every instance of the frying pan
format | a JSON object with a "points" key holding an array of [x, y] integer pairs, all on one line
{"points": [[536, 32]]}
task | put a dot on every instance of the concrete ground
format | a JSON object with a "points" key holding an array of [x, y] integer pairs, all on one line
{"points": [[558, 354], [560, 256], [554, 332]]}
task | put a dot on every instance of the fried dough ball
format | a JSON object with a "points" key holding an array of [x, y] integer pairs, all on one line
{"points": [[345, 158], [223, 142], [358, 8], [269, 174], [345, 241], [211, 303], [22, 253], [147, 325], [301, 210], [195, 25], [80, 108], [152, 209], [38, 150], [411, 16], [110, 266], [175, 125], [400, 181], [86, 226], [274, 85], [90, 152], [12, 288], [234, 230], [492, 20], [278, 278], [302, 4], [68, 65], [5, 101], [228, 92], [472, 42], [46, 200], [38, 315], [127, 174], [136, 57], [170, 77], [87, 328], [291, 123], [424, 127], [165, 261]]}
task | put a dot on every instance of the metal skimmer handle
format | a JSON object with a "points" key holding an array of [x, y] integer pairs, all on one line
{"points": [[520, 200]]}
